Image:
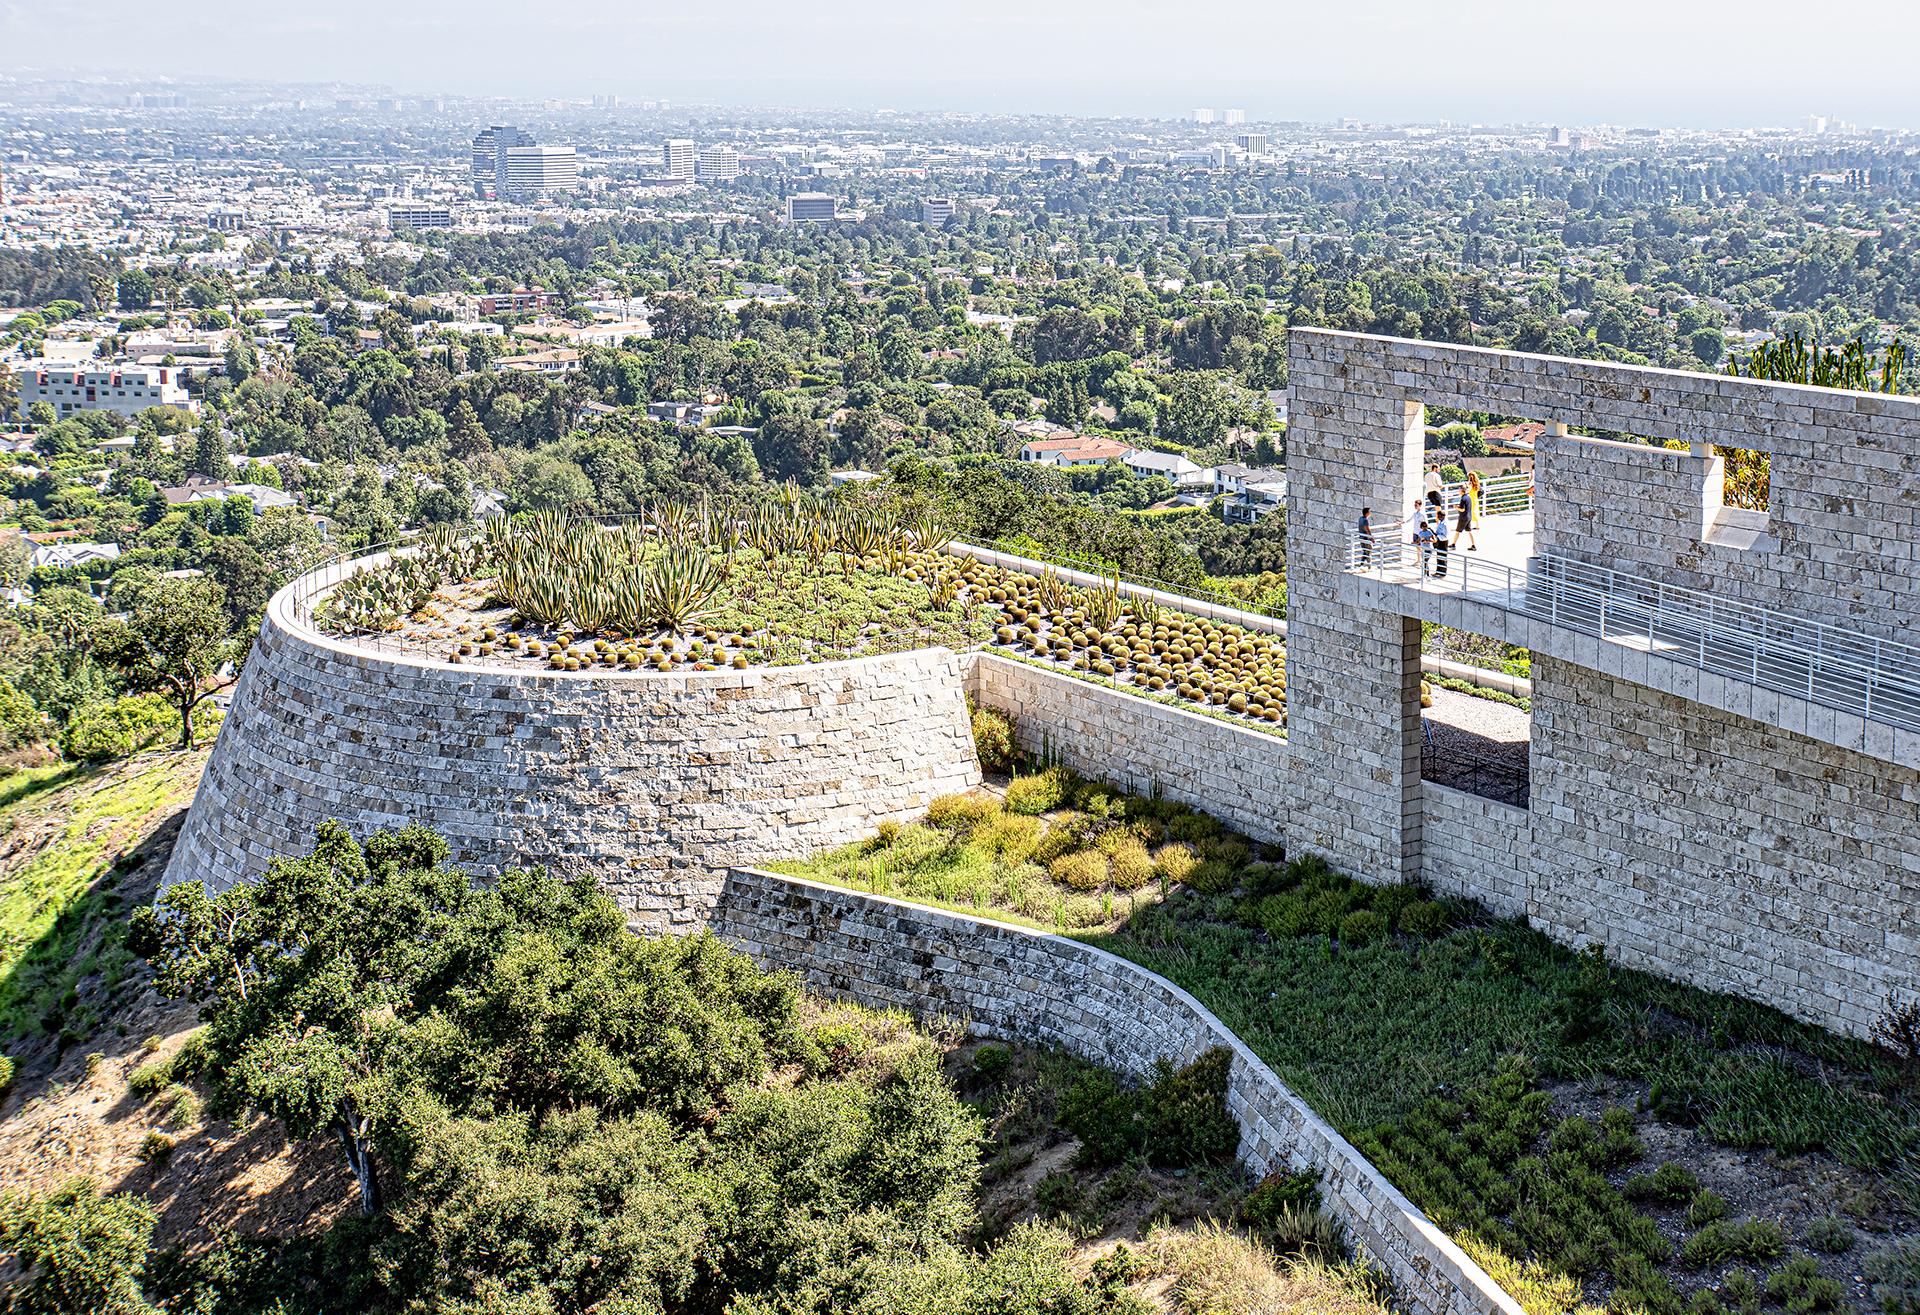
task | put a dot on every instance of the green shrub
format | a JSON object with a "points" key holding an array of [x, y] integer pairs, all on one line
{"points": [[1581, 1010], [1063, 836], [1212, 877], [148, 1079], [1222, 849], [1670, 1184], [1637, 1285], [991, 1062], [155, 1147], [1895, 1272], [1721, 1241], [76, 1250], [1705, 1208], [1009, 837], [1178, 1121], [1084, 869], [1362, 927], [1799, 1286], [1423, 918], [1283, 916], [1741, 1291], [6, 1075], [1276, 1192], [1058, 1193], [1830, 1234], [1131, 864], [1192, 827], [993, 739], [121, 728], [1174, 862], [959, 812], [1040, 793]]}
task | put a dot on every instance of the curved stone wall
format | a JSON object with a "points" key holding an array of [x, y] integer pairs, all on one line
{"points": [[654, 783], [1012, 982]]}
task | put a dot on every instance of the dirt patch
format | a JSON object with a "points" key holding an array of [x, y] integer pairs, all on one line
{"points": [[1803, 1194]]}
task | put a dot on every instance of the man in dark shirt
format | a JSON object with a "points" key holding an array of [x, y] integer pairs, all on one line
{"points": [[1366, 537]]}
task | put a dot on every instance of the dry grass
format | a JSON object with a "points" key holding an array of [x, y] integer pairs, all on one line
{"points": [[1210, 1270]]}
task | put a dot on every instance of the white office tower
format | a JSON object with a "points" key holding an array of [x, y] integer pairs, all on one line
{"points": [[676, 157], [1203, 116], [1231, 117], [534, 171], [811, 208], [936, 210], [718, 163]]}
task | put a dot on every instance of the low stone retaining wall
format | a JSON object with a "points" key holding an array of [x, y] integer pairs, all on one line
{"points": [[654, 783], [1018, 984], [1237, 774], [1475, 848]]}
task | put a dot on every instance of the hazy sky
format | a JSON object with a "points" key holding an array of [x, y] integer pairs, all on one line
{"points": [[1705, 62]]}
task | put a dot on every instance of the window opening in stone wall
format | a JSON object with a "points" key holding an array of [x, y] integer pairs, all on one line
{"points": [[1476, 714]]}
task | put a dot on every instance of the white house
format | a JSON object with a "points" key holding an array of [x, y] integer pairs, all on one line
{"points": [[71, 552]]}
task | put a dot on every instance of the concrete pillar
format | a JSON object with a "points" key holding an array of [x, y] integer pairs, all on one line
{"points": [[1353, 672]]}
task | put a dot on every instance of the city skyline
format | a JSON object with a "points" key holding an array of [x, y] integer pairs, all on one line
{"points": [[1378, 60]]}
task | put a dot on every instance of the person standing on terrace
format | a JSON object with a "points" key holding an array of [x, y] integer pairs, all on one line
{"points": [[1469, 513], [1422, 535], [1366, 537], [1434, 482]]}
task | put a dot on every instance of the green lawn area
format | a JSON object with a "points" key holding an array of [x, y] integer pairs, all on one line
{"points": [[74, 832]]}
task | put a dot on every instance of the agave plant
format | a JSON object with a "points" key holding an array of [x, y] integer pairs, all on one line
{"points": [[681, 587], [932, 533]]}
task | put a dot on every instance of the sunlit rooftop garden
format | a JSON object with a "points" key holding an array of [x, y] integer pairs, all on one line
{"points": [[787, 581]]}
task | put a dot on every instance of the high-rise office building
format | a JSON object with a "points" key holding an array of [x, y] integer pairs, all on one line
{"points": [[490, 157], [936, 210], [812, 208], [677, 157], [1204, 116], [540, 171], [1231, 117], [718, 163], [1253, 143]]}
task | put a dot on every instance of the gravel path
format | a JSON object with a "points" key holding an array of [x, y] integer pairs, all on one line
{"points": [[1477, 745]]}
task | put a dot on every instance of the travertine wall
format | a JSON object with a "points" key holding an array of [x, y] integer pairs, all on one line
{"points": [[1236, 773], [1712, 849], [1476, 848], [1690, 838], [655, 783], [1354, 440], [1014, 983]]}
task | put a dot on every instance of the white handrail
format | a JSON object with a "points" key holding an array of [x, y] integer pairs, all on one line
{"points": [[1872, 677]]}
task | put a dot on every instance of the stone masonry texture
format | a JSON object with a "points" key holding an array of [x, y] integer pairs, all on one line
{"points": [[1705, 830], [1023, 985], [1233, 772], [655, 783]]}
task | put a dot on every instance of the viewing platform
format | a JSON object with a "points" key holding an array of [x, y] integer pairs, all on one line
{"points": [[1832, 684]]}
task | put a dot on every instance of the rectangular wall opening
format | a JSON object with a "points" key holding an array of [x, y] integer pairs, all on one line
{"points": [[1476, 715]]}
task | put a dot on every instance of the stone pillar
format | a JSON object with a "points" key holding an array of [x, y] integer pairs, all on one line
{"points": [[1355, 439]]}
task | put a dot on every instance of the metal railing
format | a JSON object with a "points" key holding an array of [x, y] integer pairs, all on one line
{"points": [[1870, 677]]}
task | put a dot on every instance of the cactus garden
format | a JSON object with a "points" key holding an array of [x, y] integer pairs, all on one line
{"points": [[787, 581]]}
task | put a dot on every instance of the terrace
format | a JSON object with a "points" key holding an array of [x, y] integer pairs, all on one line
{"points": [[1829, 682]]}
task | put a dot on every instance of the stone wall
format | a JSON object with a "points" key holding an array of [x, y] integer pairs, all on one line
{"points": [[1476, 848], [1236, 773], [1718, 851], [1708, 830], [1024, 985], [655, 783]]}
